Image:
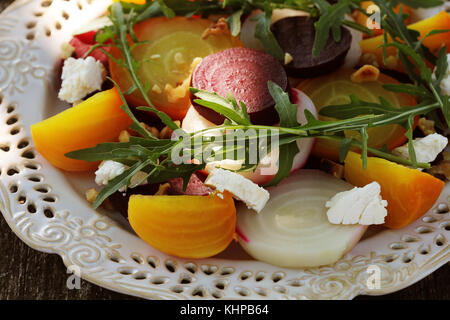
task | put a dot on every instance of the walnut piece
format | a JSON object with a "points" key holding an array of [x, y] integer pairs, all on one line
{"points": [[366, 73], [426, 126], [442, 168], [332, 168], [218, 28]]}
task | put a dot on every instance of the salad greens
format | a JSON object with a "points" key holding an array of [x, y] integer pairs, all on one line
{"points": [[153, 156]]}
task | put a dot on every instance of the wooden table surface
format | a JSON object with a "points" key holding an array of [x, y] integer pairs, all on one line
{"points": [[29, 274]]}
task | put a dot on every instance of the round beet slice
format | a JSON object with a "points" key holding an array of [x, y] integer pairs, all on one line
{"points": [[244, 73], [296, 37]]}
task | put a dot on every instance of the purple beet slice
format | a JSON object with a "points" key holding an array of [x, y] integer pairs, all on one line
{"points": [[244, 73], [296, 37]]}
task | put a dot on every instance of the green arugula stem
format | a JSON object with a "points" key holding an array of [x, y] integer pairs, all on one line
{"points": [[379, 153]]}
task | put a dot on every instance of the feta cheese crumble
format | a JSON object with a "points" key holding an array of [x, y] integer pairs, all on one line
{"points": [[358, 206], [109, 169], [427, 148], [80, 77], [240, 187]]}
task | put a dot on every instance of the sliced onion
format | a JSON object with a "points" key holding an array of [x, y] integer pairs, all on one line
{"points": [[278, 14], [293, 230]]}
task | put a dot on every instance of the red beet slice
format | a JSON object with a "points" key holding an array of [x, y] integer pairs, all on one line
{"points": [[195, 187], [296, 37], [87, 37], [81, 48], [243, 72]]}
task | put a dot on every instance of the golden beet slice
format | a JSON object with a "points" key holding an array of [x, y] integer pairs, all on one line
{"points": [[174, 47]]}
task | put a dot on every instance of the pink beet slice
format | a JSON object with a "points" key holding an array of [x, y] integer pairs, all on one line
{"points": [[244, 73], [195, 187], [81, 48]]}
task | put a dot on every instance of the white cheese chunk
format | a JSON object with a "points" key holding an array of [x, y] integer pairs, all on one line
{"points": [[240, 187], [109, 169], [80, 77], [427, 148], [358, 206]]}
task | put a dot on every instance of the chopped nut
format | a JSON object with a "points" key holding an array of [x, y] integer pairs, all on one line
{"points": [[67, 50], [124, 136], [370, 58], [107, 204], [366, 73], [391, 62], [218, 28], [91, 194], [156, 89], [154, 131], [332, 167], [166, 132], [441, 169], [163, 189], [287, 58], [181, 91], [446, 155], [426, 126]]}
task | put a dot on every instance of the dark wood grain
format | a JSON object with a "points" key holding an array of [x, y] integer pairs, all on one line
{"points": [[29, 274]]}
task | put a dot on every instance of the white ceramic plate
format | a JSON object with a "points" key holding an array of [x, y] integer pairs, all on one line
{"points": [[47, 210]]}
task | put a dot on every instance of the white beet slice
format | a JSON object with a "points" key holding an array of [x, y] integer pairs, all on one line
{"points": [[293, 230], [267, 168]]}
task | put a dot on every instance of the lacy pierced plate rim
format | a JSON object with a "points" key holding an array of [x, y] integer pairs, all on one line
{"points": [[62, 222]]}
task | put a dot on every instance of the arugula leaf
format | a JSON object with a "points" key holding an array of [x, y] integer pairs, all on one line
{"points": [[413, 90], [286, 158], [221, 105], [288, 118], [364, 140], [409, 135], [286, 110], [330, 21], [267, 38], [234, 22], [118, 182], [168, 12], [344, 148], [441, 67]]}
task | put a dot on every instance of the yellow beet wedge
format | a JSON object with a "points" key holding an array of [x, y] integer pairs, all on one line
{"points": [[184, 226], [410, 193], [93, 121]]}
